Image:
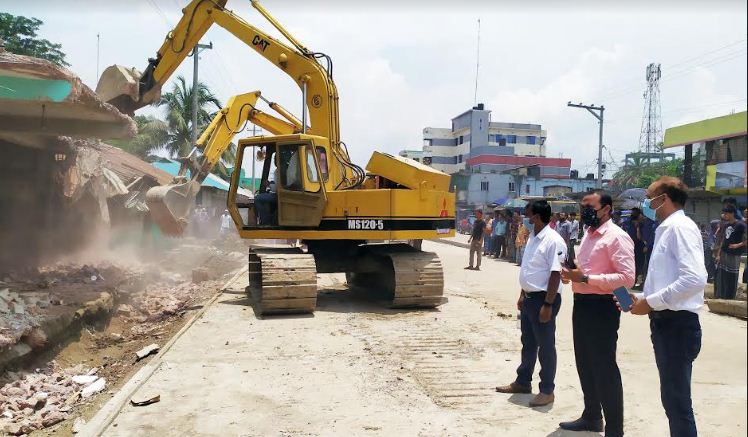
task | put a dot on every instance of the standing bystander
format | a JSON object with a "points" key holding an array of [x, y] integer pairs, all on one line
{"points": [[476, 240], [523, 232], [633, 226], [513, 224], [539, 302], [733, 246], [673, 296], [499, 233], [605, 262], [487, 236], [563, 227], [574, 236]]}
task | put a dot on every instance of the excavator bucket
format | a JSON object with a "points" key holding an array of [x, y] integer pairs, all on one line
{"points": [[170, 206], [120, 87]]}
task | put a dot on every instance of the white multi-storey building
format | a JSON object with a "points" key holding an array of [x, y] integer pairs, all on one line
{"points": [[474, 134]]}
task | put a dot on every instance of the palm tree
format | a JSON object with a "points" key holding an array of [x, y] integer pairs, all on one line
{"points": [[178, 103], [630, 173], [152, 135]]}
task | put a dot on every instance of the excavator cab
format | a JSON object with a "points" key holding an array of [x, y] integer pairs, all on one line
{"points": [[292, 188]]}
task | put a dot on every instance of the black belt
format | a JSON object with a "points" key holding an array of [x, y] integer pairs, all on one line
{"points": [[598, 297], [534, 293], [670, 314]]}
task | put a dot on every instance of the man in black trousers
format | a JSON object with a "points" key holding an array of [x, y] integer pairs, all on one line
{"points": [[605, 261]]}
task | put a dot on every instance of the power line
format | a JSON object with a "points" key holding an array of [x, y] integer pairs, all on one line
{"points": [[682, 67]]}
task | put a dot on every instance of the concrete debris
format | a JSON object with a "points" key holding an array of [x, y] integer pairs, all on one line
{"points": [[84, 380], [78, 425], [143, 400], [93, 388], [148, 350], [33, 401]]}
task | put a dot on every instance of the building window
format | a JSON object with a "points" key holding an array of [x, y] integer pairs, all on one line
{"points": [[461, 140], [484, 186], [502, 142], [512, 187], [531, 139], [527, 189], [459, 159], [427, 143], [511, 139]]}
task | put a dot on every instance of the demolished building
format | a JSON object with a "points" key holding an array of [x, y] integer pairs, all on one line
{"points": [[58, 180]]}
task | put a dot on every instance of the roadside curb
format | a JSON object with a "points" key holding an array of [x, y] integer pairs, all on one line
{"points": [[451, 243], [109, 411]]}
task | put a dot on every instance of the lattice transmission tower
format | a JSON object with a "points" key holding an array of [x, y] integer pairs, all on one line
{"points": [[650, 139]]}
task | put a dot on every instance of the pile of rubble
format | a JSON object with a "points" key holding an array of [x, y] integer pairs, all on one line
{"points": [[41, 399], [42, 303]]}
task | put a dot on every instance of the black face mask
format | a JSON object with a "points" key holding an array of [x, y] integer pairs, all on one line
{"points": [[589, 217]]}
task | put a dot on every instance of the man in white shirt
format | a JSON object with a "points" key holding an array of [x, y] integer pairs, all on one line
{"points": [[225, 222], [574, 235], [673, 296], [539, 302]]}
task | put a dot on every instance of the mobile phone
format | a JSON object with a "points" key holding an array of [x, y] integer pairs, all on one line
{"points": [[624, 298]]}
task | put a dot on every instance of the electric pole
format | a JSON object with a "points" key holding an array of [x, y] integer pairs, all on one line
{"points": [[195, 57], [597, 112]]}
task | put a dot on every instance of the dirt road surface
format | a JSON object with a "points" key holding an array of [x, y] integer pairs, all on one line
{"points": [[357, 368]]}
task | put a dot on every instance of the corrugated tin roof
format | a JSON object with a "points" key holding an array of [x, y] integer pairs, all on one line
{"points": [[172, 167], [129, 167]]}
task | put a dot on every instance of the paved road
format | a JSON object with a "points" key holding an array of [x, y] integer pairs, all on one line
{"points": [[356, 368]]}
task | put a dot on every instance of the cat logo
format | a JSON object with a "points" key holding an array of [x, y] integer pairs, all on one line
{"points": [[260, 43], [316, 100]]}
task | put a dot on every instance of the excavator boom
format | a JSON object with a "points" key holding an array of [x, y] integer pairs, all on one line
{"points": [[170, 205]]}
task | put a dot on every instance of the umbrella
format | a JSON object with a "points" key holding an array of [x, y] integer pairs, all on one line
{"points": [[632, 198], [638, 194]]}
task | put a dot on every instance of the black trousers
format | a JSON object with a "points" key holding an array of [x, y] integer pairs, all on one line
{"points": [[595, 320], [639, 260], [571, 250], [676, 338], [499, 246]]}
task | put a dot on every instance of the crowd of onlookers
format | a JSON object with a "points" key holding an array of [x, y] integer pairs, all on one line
{"points": [[655, 249], [504, 234]]}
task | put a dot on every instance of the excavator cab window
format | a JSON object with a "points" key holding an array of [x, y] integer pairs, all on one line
{"points": [[291, 189], [289, 166]]}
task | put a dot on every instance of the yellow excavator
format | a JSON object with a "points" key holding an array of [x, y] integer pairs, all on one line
{"points": [[349, 219]]}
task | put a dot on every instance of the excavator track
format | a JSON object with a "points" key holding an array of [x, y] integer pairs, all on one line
{"points": [[408, 278], [282, 282], [418, 280]]}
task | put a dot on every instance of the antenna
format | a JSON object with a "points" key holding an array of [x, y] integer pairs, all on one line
{"points": [[98, 41], [477, 66], [651, 131]]}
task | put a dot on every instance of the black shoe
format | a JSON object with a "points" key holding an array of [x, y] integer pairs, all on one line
{"points": [[582, 424]]}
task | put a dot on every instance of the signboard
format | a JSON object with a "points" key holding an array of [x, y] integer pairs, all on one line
{"points": [[727, 177]]}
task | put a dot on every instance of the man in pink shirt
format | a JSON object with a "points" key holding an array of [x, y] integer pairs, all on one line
{"points": [[605, 261]]}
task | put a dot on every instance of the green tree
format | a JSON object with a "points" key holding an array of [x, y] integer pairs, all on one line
{"points": [[178, 105], [19, 34], [640, 174], [152, 136]]}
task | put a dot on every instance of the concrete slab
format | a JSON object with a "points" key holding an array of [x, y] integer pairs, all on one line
{"points": [[39, 98]]}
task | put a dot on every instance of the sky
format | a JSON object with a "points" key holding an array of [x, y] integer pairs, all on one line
{"points": [[403, 66]]}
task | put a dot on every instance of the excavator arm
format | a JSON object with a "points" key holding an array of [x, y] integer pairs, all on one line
{"points": [[170, 204], [128, 90]]}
